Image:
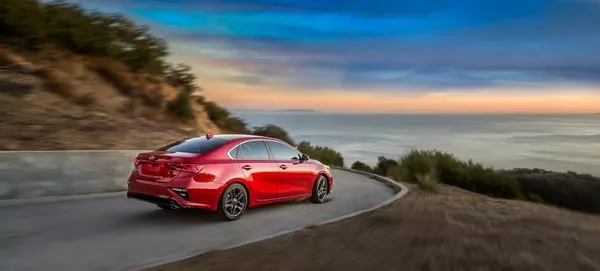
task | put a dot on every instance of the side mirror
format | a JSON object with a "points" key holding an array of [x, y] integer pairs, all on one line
{"points": [[304, 157]]}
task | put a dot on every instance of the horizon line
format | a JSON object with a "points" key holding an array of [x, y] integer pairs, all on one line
{"points": [[308, 110]]}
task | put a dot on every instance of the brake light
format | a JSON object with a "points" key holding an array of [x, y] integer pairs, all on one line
{"points": [[195, 168], [204, 177]]}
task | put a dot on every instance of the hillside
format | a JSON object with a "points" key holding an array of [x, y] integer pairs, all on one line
{"points": [[72, 78], [451, 230], [53, 99]]}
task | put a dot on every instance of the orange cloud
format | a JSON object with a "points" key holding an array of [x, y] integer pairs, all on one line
{"points": [[551, 101], [541, 99]]}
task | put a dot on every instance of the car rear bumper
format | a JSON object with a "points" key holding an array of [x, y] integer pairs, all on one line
{"points": [[151, 198], [204, 195]]}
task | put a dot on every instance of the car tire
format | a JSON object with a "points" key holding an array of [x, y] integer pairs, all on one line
{"points": [[320, 190], [233, 202]]}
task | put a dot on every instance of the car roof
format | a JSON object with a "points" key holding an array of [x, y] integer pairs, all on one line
{"points": [[230, 137]]}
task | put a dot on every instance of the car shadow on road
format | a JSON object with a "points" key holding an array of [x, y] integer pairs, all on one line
{"points": [[170, 217], [199, 216], [162, 217], [275, 206]]}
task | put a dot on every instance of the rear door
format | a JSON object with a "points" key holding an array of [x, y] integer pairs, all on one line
{"points": [[259, 169], [295, 176]]}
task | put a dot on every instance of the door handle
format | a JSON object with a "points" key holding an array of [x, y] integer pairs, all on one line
{"points": [[247, 167], [283, 166]]}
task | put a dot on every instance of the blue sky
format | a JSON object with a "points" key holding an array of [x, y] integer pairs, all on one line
{"points": [[380, 47]]}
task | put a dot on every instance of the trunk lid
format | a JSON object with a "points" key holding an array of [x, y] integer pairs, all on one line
{"points": [[161, 166]]}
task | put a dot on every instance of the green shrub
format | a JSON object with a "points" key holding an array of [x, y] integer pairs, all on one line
{"points": [[325, 155], [152, 99], [385, 167], [223, 118], [426, 167], [181, 107], [200, 100], [426, 181], [272, 130], [536, 198], [358, 165], [419, 167], [234, 125], [180, 75], [31, 23], [416, 163], [565, 189]]}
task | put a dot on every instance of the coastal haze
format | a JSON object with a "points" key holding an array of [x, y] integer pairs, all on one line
{"points": [[553, 142]]}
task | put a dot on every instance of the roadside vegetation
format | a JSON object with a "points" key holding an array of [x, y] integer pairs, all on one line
{"points": [[326, 155], [428, 168]]}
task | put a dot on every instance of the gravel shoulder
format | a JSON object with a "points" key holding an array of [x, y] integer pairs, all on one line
{"points": [[451, 230]]}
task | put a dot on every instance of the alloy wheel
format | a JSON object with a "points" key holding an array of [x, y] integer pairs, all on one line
{"points": [[235, 201], [322, 188]]}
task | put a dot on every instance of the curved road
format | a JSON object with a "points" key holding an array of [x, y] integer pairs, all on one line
{"points": [[115, 233]]}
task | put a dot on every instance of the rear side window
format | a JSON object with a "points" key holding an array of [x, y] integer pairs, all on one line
{"points": [[282, 152], [234, 152], [194, 145], [253, 150]]}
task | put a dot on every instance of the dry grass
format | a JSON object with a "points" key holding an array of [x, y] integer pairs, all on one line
{"points": [[7, 57], [85, 100], [83, 109], [450, 230], [45, 121], [426, 182], [115, 73], [56, 81]]}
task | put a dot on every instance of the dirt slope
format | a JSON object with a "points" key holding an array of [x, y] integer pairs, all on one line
{"points": [[56, 100], [453, 230]]}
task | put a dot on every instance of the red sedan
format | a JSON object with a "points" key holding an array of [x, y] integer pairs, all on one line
{"points": [[227, 174]]}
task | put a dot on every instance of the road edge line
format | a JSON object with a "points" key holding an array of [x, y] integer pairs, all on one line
{"points": [[399, 189]]}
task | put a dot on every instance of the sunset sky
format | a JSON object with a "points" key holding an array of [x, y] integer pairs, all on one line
{"points": [[434, 56]]}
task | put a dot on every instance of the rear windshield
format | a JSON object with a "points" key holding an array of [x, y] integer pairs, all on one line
{"points": [[194, 145]]}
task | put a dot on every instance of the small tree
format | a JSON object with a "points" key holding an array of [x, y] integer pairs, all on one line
{"points": [[272, 130], [358, 165], [326, 155], [181, 107], [181, 76], [385, 166]]}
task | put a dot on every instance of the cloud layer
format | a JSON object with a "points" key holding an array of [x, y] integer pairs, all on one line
{"points": [[382, 46]]}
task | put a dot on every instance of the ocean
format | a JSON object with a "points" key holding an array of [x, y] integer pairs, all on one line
{"points": [[553, 142]]}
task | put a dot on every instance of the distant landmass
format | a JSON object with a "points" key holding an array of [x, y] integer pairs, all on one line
{"points": [[289, 110], [298, 110]]}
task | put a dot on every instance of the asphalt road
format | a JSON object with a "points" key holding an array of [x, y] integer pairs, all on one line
{"points": [[115, 233]]}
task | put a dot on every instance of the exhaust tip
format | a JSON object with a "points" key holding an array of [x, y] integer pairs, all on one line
{"points": [[174, 205]]}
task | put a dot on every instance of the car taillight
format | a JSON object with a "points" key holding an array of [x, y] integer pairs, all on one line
{"points": [[195, 168], [136, 163], [204, 177]]}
